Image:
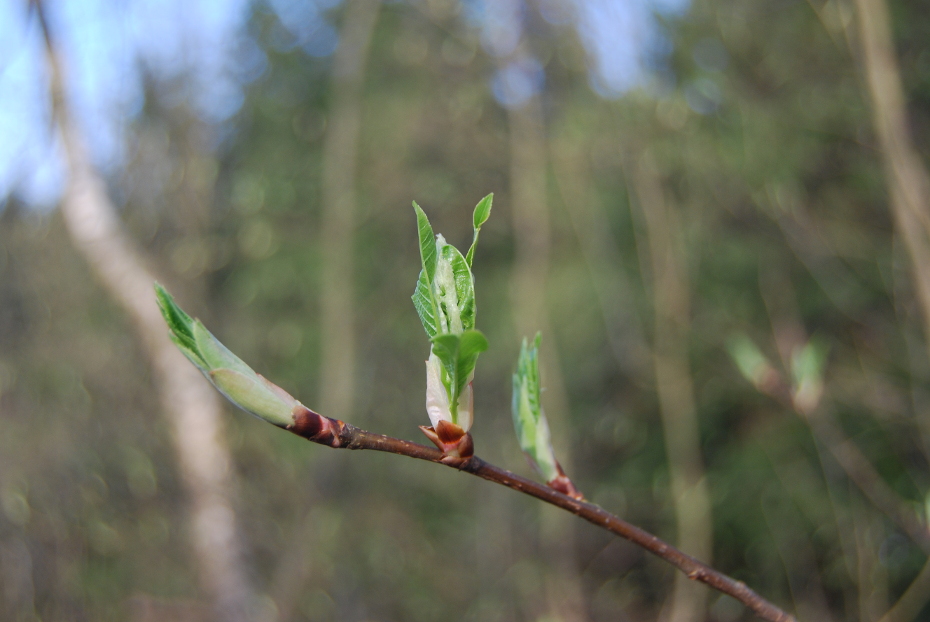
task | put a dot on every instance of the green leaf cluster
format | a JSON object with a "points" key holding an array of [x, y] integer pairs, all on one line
{"points": [[445, 301]]}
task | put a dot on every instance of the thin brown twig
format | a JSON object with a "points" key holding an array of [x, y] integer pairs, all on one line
{"points": [[338, 434]]}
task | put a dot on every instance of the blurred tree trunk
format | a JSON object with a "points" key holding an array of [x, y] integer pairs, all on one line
{"points": [[601, 253], [672, 328], [340, 155], [909, 189], [907, 178], [337, 235], [192, 406], [530, 275]]}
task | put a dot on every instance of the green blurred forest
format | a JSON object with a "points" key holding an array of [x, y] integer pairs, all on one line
{"points": [[660, 241]]}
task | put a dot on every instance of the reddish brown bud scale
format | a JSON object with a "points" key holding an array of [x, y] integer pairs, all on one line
{"points": [[449, 433], [315, 427], [455, 443], [564, 485]]}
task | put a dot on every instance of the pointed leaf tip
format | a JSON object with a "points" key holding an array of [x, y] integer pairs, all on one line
{"points": [[483, 211], [180, 326], [226, 371], [427, 242], [178, 321], [481, 215]]}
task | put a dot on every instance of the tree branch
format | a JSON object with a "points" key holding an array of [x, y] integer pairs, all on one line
{"points": [[338, 434]]}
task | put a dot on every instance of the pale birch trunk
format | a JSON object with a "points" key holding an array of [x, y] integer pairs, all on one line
{"points": [[909, 189], [337, 231], [190, 403], [671, 300], [564, 594]]}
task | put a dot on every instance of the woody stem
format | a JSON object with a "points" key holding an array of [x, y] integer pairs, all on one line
{"points": [[347, 436]]}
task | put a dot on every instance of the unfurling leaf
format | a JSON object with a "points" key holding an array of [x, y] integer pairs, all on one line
{"points": [[427, 243], [426, 305], [458, 355], [445, 301], [445, 293], [424, 298], [226, 371], [529, 419]]}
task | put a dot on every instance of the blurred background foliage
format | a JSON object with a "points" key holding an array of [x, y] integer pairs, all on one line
{"points": [[753, 122]]}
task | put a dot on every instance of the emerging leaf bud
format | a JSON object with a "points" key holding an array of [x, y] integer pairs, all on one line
{"points": [[445, 301], [455, 443], [530, 422], [437, 398], [449, 431], [237, 381]]}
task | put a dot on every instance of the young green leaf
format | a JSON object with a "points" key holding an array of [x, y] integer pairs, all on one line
{"points": [[445, 291], [252, 393], [463, 286], [446, 347], [529, 420], [180, 325], [424, 296], [214, 353], [445, 302], [481, 215], [482, 211], [459, 355], [472, 344], [425, 305], [427, 243]]}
